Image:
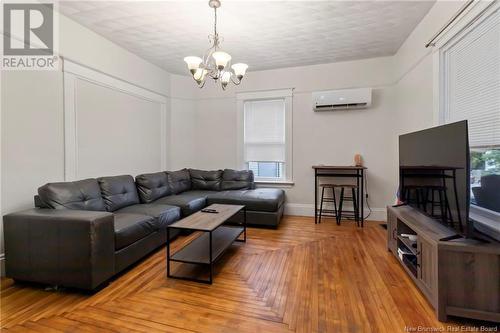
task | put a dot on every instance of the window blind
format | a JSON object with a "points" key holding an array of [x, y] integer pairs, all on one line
{"points": [[472, 82], [264, 130]]}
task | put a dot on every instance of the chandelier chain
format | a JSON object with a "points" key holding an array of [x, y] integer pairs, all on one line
{"points": [[215, 22]]}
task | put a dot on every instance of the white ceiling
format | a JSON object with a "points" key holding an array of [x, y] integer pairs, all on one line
{"points": [[263, 34]]}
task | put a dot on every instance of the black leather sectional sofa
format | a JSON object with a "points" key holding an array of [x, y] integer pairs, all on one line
{"points": [[82, 233]]}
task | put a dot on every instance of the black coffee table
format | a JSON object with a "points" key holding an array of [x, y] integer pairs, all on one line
{"points": [[214, 241]]}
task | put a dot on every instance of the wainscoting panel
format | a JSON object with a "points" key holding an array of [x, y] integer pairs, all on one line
{"points": [[111, 126]]}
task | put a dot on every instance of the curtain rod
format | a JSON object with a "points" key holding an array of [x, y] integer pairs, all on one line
{"points": [[464, 7]]}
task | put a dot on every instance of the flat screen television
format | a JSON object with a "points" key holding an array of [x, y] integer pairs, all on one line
{"points": [[439, 177]]}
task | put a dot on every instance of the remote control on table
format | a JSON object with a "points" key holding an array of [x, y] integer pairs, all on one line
{"points": [[208, 210]]}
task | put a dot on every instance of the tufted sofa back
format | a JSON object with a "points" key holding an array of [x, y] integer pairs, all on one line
{"points": [[205, 180], [237, 180], [115, 192], [118, 192], [179, 181], [152, 186], [82, 194]]}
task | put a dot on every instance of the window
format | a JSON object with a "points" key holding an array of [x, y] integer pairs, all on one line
{"points": [[264, 137], [265, 134], [266, 169], [471, 90]]}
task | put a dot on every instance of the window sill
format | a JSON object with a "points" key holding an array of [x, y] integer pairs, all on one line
{"points": [[275, 183]]}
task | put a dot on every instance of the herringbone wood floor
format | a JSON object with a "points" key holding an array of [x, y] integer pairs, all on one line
{"points": [[302, 277]]}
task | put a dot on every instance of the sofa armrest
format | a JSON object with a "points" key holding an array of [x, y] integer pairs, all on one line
{"points": [[72, 248]]}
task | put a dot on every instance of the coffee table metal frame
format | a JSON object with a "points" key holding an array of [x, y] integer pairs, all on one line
{"points": [[212, 259]]}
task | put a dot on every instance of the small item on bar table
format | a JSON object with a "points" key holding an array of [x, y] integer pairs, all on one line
{"points": [[357, 160]]}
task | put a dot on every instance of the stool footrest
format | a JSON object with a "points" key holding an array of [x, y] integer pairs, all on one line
{"points": [[348, 213], [328, 211]]}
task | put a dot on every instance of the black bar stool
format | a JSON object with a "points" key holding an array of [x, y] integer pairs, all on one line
{"points": [[440, 200], [332, 199], [416, 194], [355, 212]]}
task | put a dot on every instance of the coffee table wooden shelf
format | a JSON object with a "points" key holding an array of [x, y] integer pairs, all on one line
{"points": [[215, 240], [196, 251]]}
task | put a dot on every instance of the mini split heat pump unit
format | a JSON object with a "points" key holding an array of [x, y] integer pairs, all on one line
{"points": [[345, 99]]}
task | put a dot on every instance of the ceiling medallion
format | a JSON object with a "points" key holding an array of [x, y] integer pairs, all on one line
{"points": [[215, 63]]}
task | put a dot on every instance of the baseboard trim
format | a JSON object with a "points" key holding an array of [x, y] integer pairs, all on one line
{"points": [[377, 214]]}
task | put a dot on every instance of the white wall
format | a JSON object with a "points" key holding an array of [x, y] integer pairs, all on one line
{"points": [[415, 70], [32, 127], [403, 98], [318, 138], [183, 115], [83, 46], [202, 128], [118, 133]]}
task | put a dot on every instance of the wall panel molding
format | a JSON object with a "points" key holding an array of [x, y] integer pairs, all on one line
{"points": [[72, 72]]}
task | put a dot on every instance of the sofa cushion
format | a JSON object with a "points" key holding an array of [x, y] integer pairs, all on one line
{"points": [[179, 181], [205, 180], [237, 180], [82, 194], [152, 186], [129, 228], [163, 214], [188, 202], [118, 192], [260, 199]]}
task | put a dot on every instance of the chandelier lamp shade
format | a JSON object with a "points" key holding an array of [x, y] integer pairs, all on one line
{"points": [[215, 64]]}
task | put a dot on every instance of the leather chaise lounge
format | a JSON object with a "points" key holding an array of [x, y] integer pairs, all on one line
{"points": [[82, 233]]}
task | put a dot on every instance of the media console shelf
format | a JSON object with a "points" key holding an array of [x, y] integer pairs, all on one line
{"points": [[459, 277]]}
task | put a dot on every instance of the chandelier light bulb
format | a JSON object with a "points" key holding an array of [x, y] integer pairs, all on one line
{"points": [[239, 70], [226, 77], [199, 74], [193, 63], [221, 59]]}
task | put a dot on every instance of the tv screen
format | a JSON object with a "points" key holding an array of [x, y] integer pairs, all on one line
{"points": [[434, 174]]}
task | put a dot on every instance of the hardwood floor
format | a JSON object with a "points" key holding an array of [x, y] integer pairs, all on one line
{"points": [[301, 277]]}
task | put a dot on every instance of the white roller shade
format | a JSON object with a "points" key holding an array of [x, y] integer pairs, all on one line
{"points": [[264, 130], [472, 82], [265, 152]]}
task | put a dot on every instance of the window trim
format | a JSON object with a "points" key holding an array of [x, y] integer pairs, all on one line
{"points": [[287, 95], [274, 183]]}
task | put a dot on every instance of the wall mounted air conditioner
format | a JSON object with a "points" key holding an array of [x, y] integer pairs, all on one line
{"points": [[345, 99]]}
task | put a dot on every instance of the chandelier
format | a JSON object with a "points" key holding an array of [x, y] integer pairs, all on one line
{"points": [[215, 63]]}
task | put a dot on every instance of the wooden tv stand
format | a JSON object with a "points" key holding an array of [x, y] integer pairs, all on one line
{"points": [[459, 277]]}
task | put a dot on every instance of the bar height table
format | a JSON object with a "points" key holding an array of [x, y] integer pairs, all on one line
{"points": [[334, 171]]}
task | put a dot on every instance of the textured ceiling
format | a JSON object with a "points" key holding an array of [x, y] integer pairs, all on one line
{"points": [[263, 34]]}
